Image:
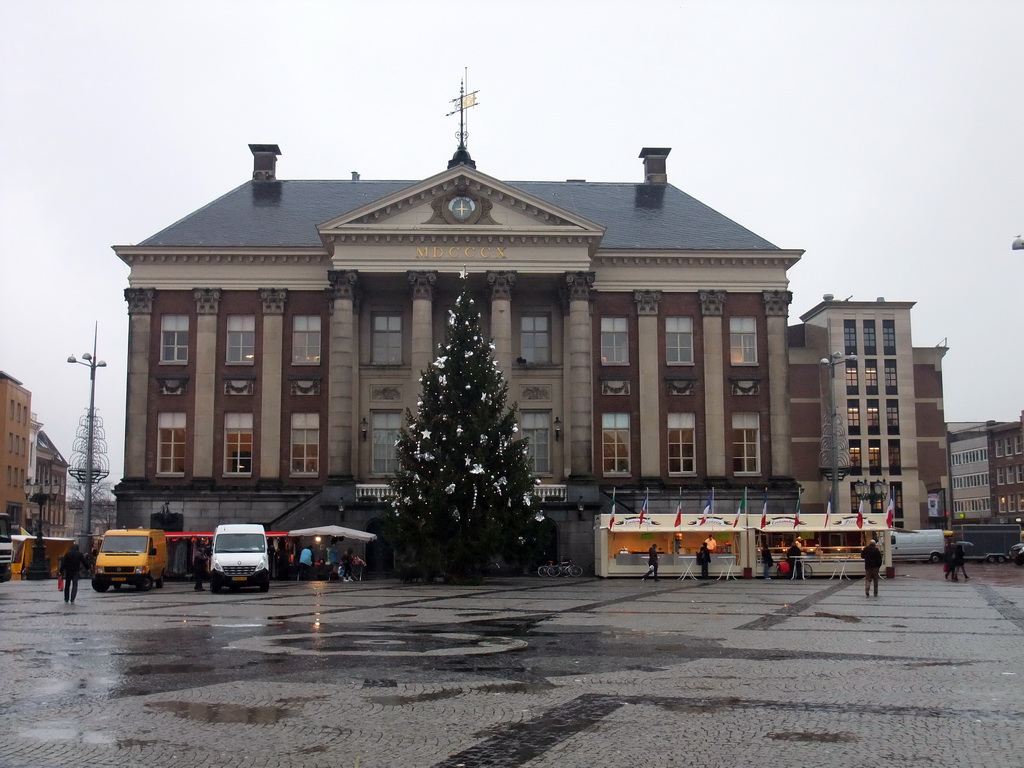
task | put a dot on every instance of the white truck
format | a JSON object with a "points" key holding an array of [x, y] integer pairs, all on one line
{"points": [[918, 545], [240, 557]]}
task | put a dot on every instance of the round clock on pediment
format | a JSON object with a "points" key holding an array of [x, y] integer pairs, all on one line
{"points": [[462, 207]]}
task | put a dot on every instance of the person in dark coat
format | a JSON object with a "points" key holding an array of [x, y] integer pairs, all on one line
{"points": [[767, 560], [796, 567], [704, 559], [958, 561], [200, 563], [70, 567], [872, 557], [947, 556], [652, 563]]}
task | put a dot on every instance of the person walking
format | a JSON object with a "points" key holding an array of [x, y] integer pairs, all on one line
{"points": [[200, 563], [796, 565], [305, 564], [70, 567], [958, 561], [652, 563], [872, 557], [704, 559], [767, 561], [947, 556], [346, 565]]}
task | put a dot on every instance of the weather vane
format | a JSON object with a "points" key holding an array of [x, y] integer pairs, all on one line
{"points": [[464, 102]]}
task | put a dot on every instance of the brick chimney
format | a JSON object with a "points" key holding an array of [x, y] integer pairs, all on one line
{"points": [[264, 161], [654, 164]]}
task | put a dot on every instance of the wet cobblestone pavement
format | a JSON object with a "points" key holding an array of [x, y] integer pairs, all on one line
{"points": [[519, 672]]}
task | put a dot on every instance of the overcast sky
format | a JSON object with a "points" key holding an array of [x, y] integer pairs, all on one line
{"points": [[884, 138]]}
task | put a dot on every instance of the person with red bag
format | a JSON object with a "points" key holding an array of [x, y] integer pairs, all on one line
{"points": [[70, 567]]}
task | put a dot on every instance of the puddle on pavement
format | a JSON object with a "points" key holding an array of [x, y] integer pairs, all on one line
{"points": [[62, 732], [203, 712], [401, 701], [838, 616], [167, 669], [825, 738], [535, 687]]}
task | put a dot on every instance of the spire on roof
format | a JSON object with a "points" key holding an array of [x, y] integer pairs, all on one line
{"points": [[464, 102]]}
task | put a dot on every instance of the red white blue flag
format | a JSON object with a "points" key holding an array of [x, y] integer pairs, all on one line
{"points": [[643, 509], [890, 510], [707, 507]]}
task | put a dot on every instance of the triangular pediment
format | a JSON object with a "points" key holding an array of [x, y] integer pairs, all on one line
{"points": [[460, 200]]}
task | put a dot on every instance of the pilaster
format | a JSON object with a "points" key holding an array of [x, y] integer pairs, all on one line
{"points": [[421, 286], [341, 372], [274, 300], [501, 317], [712, 306], [776, 307], [647, 303], [140, 328], [207, 306], [578, 289]]}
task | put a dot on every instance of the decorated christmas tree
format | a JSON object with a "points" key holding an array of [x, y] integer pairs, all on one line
{"points": [[464, 487]]}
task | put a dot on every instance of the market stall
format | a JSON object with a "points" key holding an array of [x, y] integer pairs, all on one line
{"points": [[623, 549], [830, 545]]}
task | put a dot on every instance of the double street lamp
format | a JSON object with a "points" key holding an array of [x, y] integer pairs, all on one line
{"points": [[834, 470], [89, 474], [39, 494], [874, 490]]}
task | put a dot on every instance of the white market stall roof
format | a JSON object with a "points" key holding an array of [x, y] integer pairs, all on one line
{"points": [[334, 530], [723, 523]]}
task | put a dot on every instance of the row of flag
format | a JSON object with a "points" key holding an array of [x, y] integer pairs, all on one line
{"points": [[741, 510]]}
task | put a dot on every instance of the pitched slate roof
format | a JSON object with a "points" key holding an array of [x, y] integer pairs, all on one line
{"points": [[286, 213]]}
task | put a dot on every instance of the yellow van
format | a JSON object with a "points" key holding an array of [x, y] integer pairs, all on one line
{"points": [[136, 556]]}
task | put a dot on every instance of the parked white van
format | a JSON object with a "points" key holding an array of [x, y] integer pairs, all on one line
{"points": [[239, 557], [918, 545]]}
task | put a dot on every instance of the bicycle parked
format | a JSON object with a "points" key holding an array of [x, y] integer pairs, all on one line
{"points": [[565, 568]]}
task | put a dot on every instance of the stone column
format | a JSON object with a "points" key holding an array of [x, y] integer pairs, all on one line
{"points": [[776, 307], [421, 285], [136, 422], [273, 300], [341, 372], [207, 306], [580, 386], [712, 304], [501, 317], [650, 411]]}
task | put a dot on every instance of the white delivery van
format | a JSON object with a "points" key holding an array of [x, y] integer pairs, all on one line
{"points": [[239, 557], [918, 545]]}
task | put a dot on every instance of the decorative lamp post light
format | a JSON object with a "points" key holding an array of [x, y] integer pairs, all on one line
{"points": [[90, 474], [875, 490], [834, 461], [39, 493]]}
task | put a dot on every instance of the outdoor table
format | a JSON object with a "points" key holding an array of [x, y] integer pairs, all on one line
{"points": [[690, 561], [800, 560], [730, 572], [841, 573]]}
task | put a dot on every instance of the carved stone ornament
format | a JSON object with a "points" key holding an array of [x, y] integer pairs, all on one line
{"points": [[343, 284], [745, 386], [615, 387], [776, 303], [305, 386], [385, 394], [712, 303], [239, 386], [207, 300], [176, 385], [501, 284], [273, 300], [460, 207], [647, 302], [578, 286], [537, 393], [681, 386], [422, 284], [140, 300]]}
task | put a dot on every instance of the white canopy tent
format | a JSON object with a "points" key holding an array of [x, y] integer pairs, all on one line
{"points": [[337, 531]]}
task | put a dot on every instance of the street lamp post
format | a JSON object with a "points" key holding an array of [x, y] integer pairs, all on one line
{"points": [[90, 475], [833, 471], [873, 491], [39, 493]]}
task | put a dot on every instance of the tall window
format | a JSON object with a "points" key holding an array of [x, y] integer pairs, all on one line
{"points": [[614, 340], [386, 426], [856, 460], [387, 339], [745, 431], [615, 443], [871, 377], [681, 444], [537, 431], [892, 416], [870, 341], [535, 338], [895, 457], [852, 380], [170, 451], [237, 443], [873, 418], [174, 339], [306, 339], [305, 443], [743, 340], [853, 417], [241, 338], [888, 337], [850, 337], [875, 457], [889, 368], [679, 340]]}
